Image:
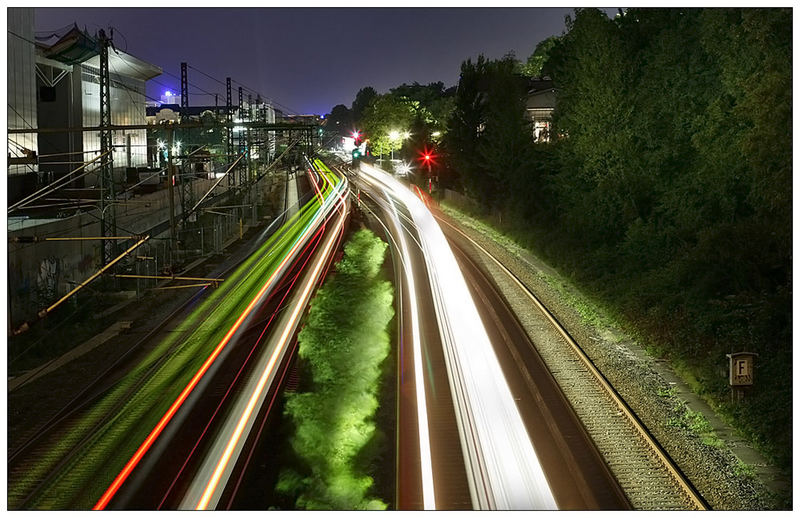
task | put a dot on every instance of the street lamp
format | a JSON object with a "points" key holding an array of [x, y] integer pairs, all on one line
{"points": [[403, 169], [393, 136]]}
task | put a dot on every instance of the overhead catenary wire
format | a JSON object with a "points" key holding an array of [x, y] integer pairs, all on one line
{"points": [[128, 91], [245, 87], [193, 84], [217, 183], [52, 187]]}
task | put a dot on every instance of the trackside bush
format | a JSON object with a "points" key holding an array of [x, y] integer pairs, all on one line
{"points": [[343, 345]]}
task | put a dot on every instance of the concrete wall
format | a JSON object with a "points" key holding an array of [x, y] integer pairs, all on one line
{"points": [[39, 272]]}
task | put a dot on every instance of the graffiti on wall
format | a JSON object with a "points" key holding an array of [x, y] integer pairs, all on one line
{"points": [[47, 279]]}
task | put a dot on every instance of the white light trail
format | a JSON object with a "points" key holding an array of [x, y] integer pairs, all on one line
{"points": [[428, 498], [502, 466], [207, 486]]}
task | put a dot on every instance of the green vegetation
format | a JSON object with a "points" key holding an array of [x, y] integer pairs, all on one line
{"points": [[343, 345], [697, 424], [666, 191], [744, 470], [418, 113], [533, 67]]}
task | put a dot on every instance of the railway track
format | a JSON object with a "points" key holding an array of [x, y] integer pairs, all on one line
{"points": [[24, 459], [645, 471]]}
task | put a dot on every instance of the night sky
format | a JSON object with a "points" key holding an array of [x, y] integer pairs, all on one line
{"points": [[310, 59]]}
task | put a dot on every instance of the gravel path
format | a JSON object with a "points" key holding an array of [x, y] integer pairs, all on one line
{"points": [[646, 385]]}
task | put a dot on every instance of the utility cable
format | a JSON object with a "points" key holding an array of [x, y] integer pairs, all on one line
{"points": [[50, 188], [272, 100], [193, 84]]}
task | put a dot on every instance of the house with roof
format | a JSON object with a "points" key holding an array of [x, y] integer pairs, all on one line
{"points": [[539, 107]]}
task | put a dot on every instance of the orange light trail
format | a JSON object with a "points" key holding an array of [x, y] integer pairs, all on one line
{"points": [[287, 332], [241, 369], [148, 442]]}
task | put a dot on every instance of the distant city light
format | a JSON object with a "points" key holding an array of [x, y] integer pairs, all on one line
{"points": [[168, 93]]}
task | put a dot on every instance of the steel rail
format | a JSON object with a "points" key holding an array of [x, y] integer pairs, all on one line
{"points": [[66, 412], [675, 472]]}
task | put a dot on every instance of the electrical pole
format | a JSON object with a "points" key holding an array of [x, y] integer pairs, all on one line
{"points": [[248, 141], [231, 180], [171, 188], [108, 223], [184, 90], [187, 194], [242, 170]]}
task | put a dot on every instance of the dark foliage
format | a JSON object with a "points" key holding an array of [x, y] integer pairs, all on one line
{"points": [[667, 190]]}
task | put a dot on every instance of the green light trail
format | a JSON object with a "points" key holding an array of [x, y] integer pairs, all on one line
{"points": [[111, 442]]}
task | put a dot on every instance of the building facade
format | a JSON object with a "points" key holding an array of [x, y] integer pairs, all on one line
{"points": [[69, 97], [21, 90], [539, 108]]}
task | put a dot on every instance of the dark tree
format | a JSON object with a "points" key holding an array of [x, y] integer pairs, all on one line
{"points": [[363, 99], [488, 139], [534, 67], [340, 120], [667, 190]]}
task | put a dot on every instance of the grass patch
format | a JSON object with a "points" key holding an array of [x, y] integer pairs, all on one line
{"points": [[744, 470], [343, 346]]}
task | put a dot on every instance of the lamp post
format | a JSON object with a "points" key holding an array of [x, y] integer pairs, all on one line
{"points": [[393, 136]]}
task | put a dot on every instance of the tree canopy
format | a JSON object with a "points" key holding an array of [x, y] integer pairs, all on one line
{"points": [[363, 99], [668, 185], [534, 66]]}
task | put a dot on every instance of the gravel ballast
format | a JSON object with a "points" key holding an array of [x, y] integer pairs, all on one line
{"points": [[646, 384]]}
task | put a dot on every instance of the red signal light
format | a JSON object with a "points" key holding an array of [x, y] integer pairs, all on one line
{"points": [[427, 156]]}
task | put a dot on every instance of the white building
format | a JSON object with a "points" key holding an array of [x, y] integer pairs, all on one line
{"points": [[68, 80], [21, 81], [171, 97]]}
